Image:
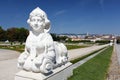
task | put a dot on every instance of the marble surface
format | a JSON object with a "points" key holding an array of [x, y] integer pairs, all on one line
{"points": [[41, 54]]}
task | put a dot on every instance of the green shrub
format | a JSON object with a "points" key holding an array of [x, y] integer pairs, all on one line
{"points": [[118, 41], [102, 41]]}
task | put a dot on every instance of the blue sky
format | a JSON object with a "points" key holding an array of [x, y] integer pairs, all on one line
{"points": [[66, 16]]}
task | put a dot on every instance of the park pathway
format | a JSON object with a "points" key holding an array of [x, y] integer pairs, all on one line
{"points": [[8, 54], [76, 53], [8, 63], [114, 70], [8, 60], [118, 52]]}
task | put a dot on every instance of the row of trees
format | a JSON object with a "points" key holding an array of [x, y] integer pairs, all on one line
{"points": [[20, 34], [58, 38], [13, 34]]}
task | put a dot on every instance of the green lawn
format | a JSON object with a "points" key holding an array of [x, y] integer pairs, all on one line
{"points": [[20, 48], [75, 46], [94, 69]]}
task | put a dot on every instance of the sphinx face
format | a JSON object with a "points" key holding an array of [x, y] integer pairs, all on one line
{"points": [[37, 23]]}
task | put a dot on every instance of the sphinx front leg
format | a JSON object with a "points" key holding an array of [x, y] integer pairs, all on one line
{"points": [[47, 66], [37, 62], [21, 60], [28, 64]]}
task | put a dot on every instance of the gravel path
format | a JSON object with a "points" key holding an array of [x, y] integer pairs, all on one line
{"points": [[8, 54], [8, 60], [8, 63], [117, 47], [76, 53], [114, 70], [8, 69]]}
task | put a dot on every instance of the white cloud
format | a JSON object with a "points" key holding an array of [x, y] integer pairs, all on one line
{"points": [[102, 4], [60, 12]]}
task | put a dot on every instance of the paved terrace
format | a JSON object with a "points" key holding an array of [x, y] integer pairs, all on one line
{"points": [[8, 64], [8, 60]]}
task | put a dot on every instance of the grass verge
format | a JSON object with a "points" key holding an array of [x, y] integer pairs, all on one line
{"points": [[94, 69], [20, 48], [75, 46]]}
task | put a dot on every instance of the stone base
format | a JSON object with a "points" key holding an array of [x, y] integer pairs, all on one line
{"points": [[60, 73]]}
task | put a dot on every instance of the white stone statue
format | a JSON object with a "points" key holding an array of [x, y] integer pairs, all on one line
{"points": [[41, 53]]}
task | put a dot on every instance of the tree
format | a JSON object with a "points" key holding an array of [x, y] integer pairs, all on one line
{"points": [[58, 38], [12, 34], [63, 38], [2, 34], [17, 34], [22, 35], [55, 37]]}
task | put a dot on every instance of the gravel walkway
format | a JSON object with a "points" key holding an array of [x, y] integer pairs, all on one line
{"points": [[114, 70], [8, 54], [8, 64], [76, 53], [8, 60]]}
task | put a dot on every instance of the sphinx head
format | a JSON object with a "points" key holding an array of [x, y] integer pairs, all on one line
{"points": [[38, 21]]}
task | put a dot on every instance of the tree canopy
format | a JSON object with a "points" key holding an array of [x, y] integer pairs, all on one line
{"points": [[20, 34], [13, 34]]}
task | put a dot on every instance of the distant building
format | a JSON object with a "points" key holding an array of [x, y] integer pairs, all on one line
{"points": [[108, 37], [7, 41], [74, 37], [91, 37]]}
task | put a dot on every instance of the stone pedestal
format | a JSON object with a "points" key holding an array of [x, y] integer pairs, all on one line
{"points": [[60, 73]]}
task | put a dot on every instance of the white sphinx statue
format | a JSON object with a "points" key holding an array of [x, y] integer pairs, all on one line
{"points": [[41, 53]]}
